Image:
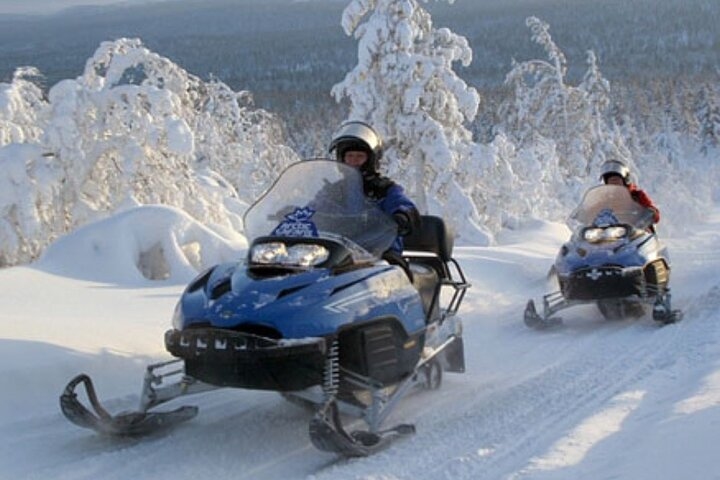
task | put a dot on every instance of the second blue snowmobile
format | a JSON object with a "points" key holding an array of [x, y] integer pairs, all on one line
{"points": [[313, 313], [613, 259]]}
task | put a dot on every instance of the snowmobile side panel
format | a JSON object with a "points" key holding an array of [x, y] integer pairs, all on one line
{"points": [[380, 350]]}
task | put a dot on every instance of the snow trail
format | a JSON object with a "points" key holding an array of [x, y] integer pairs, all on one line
{"points": [[575, 402]]}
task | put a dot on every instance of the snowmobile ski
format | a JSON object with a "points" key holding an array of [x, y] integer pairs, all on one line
{"points": [[664, 315], [328, 434], [534, 320], [125, 424]]}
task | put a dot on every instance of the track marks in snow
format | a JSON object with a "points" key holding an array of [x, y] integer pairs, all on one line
{"points": [[549, 415]]}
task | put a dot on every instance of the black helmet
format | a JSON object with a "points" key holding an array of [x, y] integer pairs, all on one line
{"points": [[615, 167], [358, 136]]}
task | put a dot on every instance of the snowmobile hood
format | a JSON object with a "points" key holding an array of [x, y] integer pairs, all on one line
{"points": [[309, 303]]}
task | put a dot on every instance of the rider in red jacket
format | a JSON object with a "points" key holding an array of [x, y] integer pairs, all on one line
{"points": [[614, 172]]}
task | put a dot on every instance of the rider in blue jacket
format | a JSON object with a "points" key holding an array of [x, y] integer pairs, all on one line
{"points": [[357, 144]]}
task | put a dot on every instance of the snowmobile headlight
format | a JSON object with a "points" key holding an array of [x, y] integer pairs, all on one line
{"points": [[307, 255], [268, 253], [615, 233], [300, 255], [607, 234], [593, 235]]}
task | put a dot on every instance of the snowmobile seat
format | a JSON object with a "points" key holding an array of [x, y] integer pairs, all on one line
{"points": [[426, 280], [431, 238], [427, 250]]}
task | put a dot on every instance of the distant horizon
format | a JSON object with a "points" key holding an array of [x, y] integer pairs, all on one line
{"points": [[49, 7]]}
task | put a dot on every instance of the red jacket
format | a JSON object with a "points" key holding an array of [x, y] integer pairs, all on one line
{"points": [[644, 199]]}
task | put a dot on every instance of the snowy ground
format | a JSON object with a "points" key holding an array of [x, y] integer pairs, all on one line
{"points": [[593, 399]]}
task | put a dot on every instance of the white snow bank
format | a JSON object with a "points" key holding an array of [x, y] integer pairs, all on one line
{"points": [[143, 243]]}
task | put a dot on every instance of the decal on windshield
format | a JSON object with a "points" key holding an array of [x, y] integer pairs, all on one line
{"points": [[297, 224], [605, 217]]}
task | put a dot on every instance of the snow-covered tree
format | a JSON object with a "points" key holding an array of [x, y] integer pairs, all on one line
{"points": [[708, 117], [133, 129], [404, 85], [667, 141], [120, 134], [574, 117], [23, 109], [28, 193], [28, 179], [239, 141], [540, 100], [137, 127]]}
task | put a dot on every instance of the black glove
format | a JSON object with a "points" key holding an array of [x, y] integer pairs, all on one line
{"points": [[408, 221], [376, 186]]}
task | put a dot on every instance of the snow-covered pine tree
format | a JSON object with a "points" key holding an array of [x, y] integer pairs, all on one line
{"points": [[28, 181], [120, 133], [23, 108], [539, 103], [708, 117], [544, 104], [404, 85], [28, 193], [242, 143]]}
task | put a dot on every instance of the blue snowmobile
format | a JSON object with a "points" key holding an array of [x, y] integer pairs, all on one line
{"points": [[613, 259], [312, 313]]}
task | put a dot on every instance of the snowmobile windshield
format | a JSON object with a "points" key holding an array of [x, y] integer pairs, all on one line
{"points": [[323, 199], [607, 205]]}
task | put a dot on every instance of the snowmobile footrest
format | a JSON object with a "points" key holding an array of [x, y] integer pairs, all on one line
{"points": [[126, 424], [327, 434]]}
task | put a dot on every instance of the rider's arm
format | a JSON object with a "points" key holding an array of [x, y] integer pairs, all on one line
{"points": [[403, 210], [644, 199]]}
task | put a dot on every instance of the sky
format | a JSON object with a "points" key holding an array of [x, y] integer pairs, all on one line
{"points": [[45, 7], [590, 399]]}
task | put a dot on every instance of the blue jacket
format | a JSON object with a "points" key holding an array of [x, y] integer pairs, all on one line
{"points": [[395, 201]]}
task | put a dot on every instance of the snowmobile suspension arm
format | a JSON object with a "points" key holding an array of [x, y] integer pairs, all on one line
{"points": [[554, 302], [377, 418], [154, 393], [383, 404]]}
